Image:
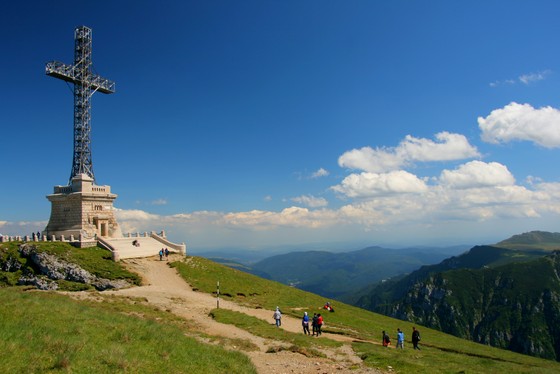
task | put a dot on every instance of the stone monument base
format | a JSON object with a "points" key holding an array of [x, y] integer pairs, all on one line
{"points": [[82, 212]]}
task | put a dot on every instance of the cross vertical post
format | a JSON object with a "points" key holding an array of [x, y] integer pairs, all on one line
{"points": [[86, 83]]}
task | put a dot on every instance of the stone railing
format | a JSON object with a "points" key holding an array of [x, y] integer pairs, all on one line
{"points": [[46, 238], [181, 248], [106, 245]]}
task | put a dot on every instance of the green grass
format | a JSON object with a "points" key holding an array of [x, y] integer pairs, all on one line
{"points": [[45, 332], [269, 331], [441, 352], [95, 260]]}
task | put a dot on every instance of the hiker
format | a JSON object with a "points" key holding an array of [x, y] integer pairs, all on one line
{"points": [[328, 307], [386, 339], [161, 254], [277, 317], [305, 323], [314, 324], [415, 338], [166, 254], [400, 339], [319, 324]]}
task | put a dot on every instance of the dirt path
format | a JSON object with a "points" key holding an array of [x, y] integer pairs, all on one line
{"points": [[167, 290]]}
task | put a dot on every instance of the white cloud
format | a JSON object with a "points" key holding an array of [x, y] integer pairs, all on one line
{"points": [[533, 77], [159, 202], [134, 215], [371, 160], [448, 146], [524, 78], [522, 122], [320, 173], [477, 174], [372, 184], [311, 201]]}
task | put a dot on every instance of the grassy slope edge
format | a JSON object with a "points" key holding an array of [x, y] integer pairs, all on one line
{"points": [[441, 352]]}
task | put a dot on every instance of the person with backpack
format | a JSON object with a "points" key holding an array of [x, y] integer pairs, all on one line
{"points": [[314, 324], [415, 338], [277, 317], [386, 340], [305, 323]]}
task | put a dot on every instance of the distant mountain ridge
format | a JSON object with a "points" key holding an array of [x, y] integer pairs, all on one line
{"points": [[533, 240], [504, 297], [340, 275]]}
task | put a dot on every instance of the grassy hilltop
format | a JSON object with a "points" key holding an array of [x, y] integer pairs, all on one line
{"points": [[47, 331]]}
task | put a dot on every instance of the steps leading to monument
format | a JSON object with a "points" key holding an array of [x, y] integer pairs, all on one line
{"points": [[147, 247]]}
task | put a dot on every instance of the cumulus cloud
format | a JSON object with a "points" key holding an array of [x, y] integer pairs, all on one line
{"points": [[447, 147], [371, 184], [310, 201], [371, 160], [134, 215], [477, 174], [522, 122], [320, 173]]}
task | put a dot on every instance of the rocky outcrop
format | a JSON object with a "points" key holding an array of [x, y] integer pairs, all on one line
{"points": [[52, 269]]}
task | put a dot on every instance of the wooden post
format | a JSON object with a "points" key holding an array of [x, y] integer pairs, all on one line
{"points": [[218, 295]]}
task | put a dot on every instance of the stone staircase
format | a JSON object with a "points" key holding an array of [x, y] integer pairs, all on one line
{"points": [[123, 248]]}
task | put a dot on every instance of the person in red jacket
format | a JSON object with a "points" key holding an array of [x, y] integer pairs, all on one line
{"points": [[319, 324]]}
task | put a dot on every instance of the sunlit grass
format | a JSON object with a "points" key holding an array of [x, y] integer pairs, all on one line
{"points": [[440, 352], [47, 332]]}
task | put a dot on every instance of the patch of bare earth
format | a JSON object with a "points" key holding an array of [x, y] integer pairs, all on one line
{"points": [[165, 289]]}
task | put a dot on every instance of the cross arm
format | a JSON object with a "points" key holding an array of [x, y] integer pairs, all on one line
{"points": [[68, 73]]}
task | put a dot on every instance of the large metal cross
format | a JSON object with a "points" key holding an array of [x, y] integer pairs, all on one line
{"points": [[86, 83]]}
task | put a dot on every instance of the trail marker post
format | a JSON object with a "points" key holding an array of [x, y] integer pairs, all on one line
{"points": [[218, 295]]}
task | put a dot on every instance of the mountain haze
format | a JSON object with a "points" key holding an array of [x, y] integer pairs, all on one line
{"points": [[340, 275]]}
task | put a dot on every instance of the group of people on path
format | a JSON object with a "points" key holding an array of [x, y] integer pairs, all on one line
{"points": [[386, 340], [164, 252], [316, 324]]}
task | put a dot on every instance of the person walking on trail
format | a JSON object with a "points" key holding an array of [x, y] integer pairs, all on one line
{"points": [[277, 317], [415, 338], [305, 323], [314, 324], [386, 339], [161, 254], [400, 339], [166, 252], [319, 324]]}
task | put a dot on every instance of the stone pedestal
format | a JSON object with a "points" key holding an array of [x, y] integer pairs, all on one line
{"points": [[83, 210]]}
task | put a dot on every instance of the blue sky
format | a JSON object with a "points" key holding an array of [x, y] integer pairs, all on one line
{"points": [[266, 123]]}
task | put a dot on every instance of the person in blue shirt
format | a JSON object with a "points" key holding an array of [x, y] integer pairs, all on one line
{"points": [[305, 324], [400, 339]]}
